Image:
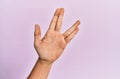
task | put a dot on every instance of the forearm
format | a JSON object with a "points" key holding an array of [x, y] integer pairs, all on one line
{"points": [[40, 70]]}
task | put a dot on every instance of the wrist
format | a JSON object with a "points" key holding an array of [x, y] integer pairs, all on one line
{"points": [[45, 62]]}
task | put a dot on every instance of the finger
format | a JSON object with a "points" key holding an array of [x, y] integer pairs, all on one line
{"points": [[71, 29], [54, 19], [59, 22], [37, 34], [70, 37]]}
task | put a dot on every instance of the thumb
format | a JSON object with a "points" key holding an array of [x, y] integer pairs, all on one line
{"points": [[37, 34]]}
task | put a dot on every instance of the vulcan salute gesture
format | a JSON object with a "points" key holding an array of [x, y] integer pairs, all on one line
{"points": [[51, 46]]}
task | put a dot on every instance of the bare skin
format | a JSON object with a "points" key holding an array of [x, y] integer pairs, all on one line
{"points": [[52, 45]]}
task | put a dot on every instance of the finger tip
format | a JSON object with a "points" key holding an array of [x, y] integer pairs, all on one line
{"points": [[62, 11], [57, 12], [36, 25], [78, 21]]}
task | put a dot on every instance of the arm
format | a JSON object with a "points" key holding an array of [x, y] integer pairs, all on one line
{"points": [[52, 45], [40, 70]]}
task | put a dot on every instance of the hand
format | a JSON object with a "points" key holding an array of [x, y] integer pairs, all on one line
{"points": [[51, 46]]}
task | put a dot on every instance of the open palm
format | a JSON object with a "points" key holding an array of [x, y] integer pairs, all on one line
{"points": [[51, 46]]}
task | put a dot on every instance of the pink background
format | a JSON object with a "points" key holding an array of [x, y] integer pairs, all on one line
{"points": [[93, 54]]}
